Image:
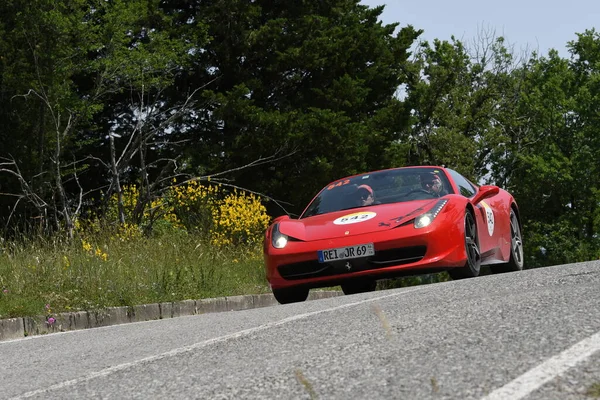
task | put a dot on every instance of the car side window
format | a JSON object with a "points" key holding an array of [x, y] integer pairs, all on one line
{"points": [[464, 186]]}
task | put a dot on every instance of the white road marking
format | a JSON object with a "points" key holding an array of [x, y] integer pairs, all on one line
{"points": [[546, 371], [199, 345]]}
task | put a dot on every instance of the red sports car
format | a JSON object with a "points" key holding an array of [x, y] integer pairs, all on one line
{"points": [[391, 223]]}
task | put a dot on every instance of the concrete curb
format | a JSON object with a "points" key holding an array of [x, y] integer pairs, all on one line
{"points": [[18, 328], [11, 328]]}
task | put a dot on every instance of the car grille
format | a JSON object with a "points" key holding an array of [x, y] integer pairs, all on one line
{"points": [[381, 259]]}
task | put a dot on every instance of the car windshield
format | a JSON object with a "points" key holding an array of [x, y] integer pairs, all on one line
{"points": [[381, 187]]}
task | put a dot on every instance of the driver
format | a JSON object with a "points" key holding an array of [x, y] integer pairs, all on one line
{"points": [[432, 183], [365, 195]]}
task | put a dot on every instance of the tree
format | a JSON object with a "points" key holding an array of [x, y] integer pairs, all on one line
{"points": [[79, 58], [457, 96], [314, 77], [553, 150]]}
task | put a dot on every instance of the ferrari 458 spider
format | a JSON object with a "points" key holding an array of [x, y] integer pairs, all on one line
{"points": [[392, 223]]}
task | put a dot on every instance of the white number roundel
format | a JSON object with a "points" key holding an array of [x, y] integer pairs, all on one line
{"points": [[354, 218], [489, 214]]}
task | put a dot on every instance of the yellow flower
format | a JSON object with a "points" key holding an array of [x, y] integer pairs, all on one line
{"points": [[239, 218], [86, 246]]}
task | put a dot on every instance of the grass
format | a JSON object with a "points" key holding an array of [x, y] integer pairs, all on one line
{"points": [[594, 390], [46, 276], [50, 276]]}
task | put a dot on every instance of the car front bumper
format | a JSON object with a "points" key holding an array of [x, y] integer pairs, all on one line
{"points": [[400, 251]]}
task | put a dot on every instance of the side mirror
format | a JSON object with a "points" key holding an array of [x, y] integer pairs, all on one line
{"points": [[485, 192]]}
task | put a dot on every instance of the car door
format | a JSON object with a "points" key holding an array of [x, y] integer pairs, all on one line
{"points": [[486, 215]]}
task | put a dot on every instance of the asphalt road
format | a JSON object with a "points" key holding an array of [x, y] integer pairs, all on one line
{"points": [[528, 335]]}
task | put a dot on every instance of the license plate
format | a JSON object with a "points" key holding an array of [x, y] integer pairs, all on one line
{"points": [[345, 253]]}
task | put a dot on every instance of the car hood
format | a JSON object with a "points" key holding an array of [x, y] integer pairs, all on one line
{"points": [[355, 221]]}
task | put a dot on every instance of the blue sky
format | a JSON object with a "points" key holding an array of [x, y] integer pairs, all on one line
{"points": [[526, 24]]}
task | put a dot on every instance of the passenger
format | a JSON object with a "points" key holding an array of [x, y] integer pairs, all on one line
{"points": [[365, 195]]}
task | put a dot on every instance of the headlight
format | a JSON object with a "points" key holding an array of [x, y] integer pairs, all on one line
{"points": [[279, 240], [427, 218], [423, 220]]}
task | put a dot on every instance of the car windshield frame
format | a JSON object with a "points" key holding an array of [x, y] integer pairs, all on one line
{"points": [[390, 186]]}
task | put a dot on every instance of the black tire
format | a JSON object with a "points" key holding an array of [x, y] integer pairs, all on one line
{"points": [[355, 287], [515, 263], [472, 267], [290, 295]]}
